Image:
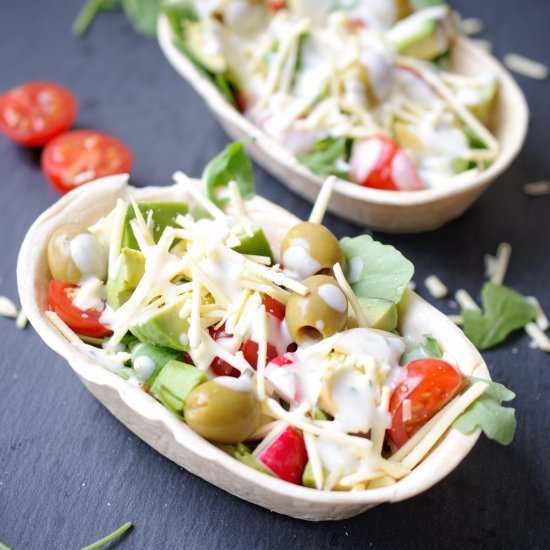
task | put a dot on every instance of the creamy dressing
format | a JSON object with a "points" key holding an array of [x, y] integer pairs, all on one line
{"points": [[90, 294], [89, 256], [333, 297], [143, 367], [241, 384], [298, 261]]}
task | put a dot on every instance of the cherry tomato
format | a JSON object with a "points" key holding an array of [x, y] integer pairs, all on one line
{"points": [[80, 156], [273, 307], [250, 352], [85, 322], [277, 5], [378, 162], [34, 113], [428, 384]]}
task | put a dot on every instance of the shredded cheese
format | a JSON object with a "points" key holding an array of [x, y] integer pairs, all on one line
{"points": [[435, 287], [456, 319], [465, 300], [350, 295], [471, 25], [542, 319], [262, 353], [537, 188], [539, 338], [502, 260], [314, 460], [119, 215], [21, 321], [407, 410], [322, 200], [525, 66], [7, 308]]}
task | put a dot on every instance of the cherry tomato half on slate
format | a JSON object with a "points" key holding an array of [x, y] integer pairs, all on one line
{"points": [[80, 156], [34, 113]]}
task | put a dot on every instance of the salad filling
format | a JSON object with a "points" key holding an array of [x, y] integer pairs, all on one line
{"points": [[360, 89], [285, 352]]}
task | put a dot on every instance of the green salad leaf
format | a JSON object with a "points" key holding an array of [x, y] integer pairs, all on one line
{"points": [[88, 12], [429, 348], [4, 546], [505, 310], [231, 164], [423, 4], [143, 14], [497, 422], [322, 158], [376, 270]]}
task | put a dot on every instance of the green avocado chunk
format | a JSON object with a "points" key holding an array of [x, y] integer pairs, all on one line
{"points": [[255, 244], [242, 453], [163, 215], [175, 382], [380, 314], [163, 327], [425, 34], [129, 273], [158, 355]]}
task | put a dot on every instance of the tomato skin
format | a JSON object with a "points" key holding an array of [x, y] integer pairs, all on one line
{"points": [[218, 366], [378, 162], [250, 352], [273, 307], [35, 112], [85, 322], [77, 157], [277, 5], [429, 384]]}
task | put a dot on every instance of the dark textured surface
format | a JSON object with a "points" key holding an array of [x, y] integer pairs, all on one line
{"points": [[70, 473]]}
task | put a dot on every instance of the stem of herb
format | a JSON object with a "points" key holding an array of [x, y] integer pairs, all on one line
{"points": [[109, 538]]}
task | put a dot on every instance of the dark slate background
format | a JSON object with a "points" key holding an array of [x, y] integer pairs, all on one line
{"points": [[70, 473]]}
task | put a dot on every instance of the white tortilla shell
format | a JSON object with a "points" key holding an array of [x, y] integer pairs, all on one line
{"points": [[390, 211], [159, 428]]}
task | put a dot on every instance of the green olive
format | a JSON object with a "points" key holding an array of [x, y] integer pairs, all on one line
{"points": [[62, 266], [310, 248], [222, 414], [323, 312]]}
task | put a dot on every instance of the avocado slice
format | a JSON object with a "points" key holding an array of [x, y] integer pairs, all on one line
{"points": [[157, 355], [308, 480], [163, 327], [480, 100], [255, 244], [426, 34], [198, 35], [242, 453], [164, 215], [129, 273], [380, 314], [175, 382], [406, 135]]}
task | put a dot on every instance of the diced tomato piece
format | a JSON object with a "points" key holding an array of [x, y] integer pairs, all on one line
{"points": [[85, 322], [378, 162], [250, 352], [219, 366], [428, 384], [286, 456], [77, 157], [36, 112], [282, 361], [277, 5], [274, 307]]}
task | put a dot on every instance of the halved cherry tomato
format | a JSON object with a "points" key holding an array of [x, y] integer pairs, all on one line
{"points": [[36, 112], [80, 156], [277, 5], [85, 322], [378, 162], [429, 384], [273, 307]]}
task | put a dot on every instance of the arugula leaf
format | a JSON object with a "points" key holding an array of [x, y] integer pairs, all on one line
{"points": [[376, 270], [177, 14], [88, 13], [423, 4], [497, 422], [143, 14], [322, 158], [429, 348], [231, 164], [504, 311], [4, 546]]}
